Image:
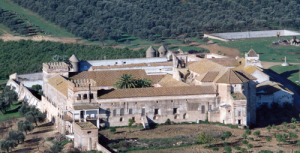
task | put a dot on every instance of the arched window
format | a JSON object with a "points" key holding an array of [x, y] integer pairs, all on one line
{"points": [[122, 112], [130, 110], [78, 97], [185, 116]]}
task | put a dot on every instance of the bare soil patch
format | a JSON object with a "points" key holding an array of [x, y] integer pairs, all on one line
{"points": [[165, 131], [9, 37]]}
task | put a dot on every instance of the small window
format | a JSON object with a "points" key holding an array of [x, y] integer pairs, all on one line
{"points": [[184, 116], [114, 112], [133, 118], [156, 101], [122, 112], [239, 113], [143, 112], [130, 111], [91, 96], [116, 63], [203, 109], [78, 97], [89, 132], [156, 111], [121, 119], [171, 101], [174, 110], [85, 96]]}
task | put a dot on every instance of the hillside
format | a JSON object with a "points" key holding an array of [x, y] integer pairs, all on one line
{"points": [[151, 19], [28, 56]]}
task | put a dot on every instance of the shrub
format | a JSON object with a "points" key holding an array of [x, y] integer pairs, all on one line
{"points": [[280, 151], [293, 127], [277, 128], [168, 122], [244, 136], [250, 146], [225, 143], [269, 128], [215, 149], [205, 138], [237, 148], [284, 123], [256, 133], [293, 120], [284, 130], [248, 132], [227, 149], [268, 139], [112, 129], [243, 150], [244, 142], [250, 138], [273, 126]]}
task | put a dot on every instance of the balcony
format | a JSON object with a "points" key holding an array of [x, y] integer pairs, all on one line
{"points": [[92, 117]]}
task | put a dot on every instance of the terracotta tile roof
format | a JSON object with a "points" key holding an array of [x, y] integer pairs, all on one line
{"points": [[210, 76], [85, 125], [230, 78], [203, 66], [59, 83], [270, 87], [244, 74], [169, 81], [242, 66], [155, 78], [158, 91], [250, 69], [132, 65], [252, 53], [85, 107], [226, 61], [108, 78]]}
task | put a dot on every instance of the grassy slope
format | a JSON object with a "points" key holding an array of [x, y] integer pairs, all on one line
{"points": [[35, 19], [12, 112], [4, 29], [263, 45]]}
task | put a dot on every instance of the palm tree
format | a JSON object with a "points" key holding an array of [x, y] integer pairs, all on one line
{"points": [[143, 83], [126, 81]]}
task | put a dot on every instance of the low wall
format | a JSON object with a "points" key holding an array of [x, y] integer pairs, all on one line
{"points": [[101, 148], [24, 94], [214, 37]]}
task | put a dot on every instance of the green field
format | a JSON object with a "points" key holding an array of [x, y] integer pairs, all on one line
{"points": [[35, 19], [290, 72], [12, 112], [4, 29], [271, 53]]}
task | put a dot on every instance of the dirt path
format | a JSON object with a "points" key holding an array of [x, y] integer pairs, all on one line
{"points": [[8, 37]]}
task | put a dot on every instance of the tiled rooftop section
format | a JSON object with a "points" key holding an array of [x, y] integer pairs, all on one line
{"points": [[250, 69], [231, 62], [270, 87], [85, 125], [238, 96], [169, 81], [108, 78], [82, 107], [159, 91], [59, 83], [252, 53], [210, 76]]}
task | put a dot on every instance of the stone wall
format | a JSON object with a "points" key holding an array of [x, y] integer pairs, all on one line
{"points": [[85, 139]]}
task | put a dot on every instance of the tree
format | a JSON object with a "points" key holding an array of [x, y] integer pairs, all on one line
{"points": [[56, 148], [5, 145], [204, 138], [226, 135], [130, 122], [244, 136], [250, 146], [7, 97], [32, 114], [227, 149], [25, 126], [268, 139], [293, 120], [129, 81], [36, 87], [280, 138], [126, 81], [244, 142]]}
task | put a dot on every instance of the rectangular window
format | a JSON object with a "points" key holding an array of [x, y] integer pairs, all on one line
{"points": [[115, 112], [91, 96], [174, 110], [203, 109], [143, 112], [130, 111], [122, 112], [210, 107], [239, 113], [155, 111]]}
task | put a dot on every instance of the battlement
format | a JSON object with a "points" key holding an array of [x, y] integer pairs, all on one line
{"points": [[52, 66], [82, 83]]}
